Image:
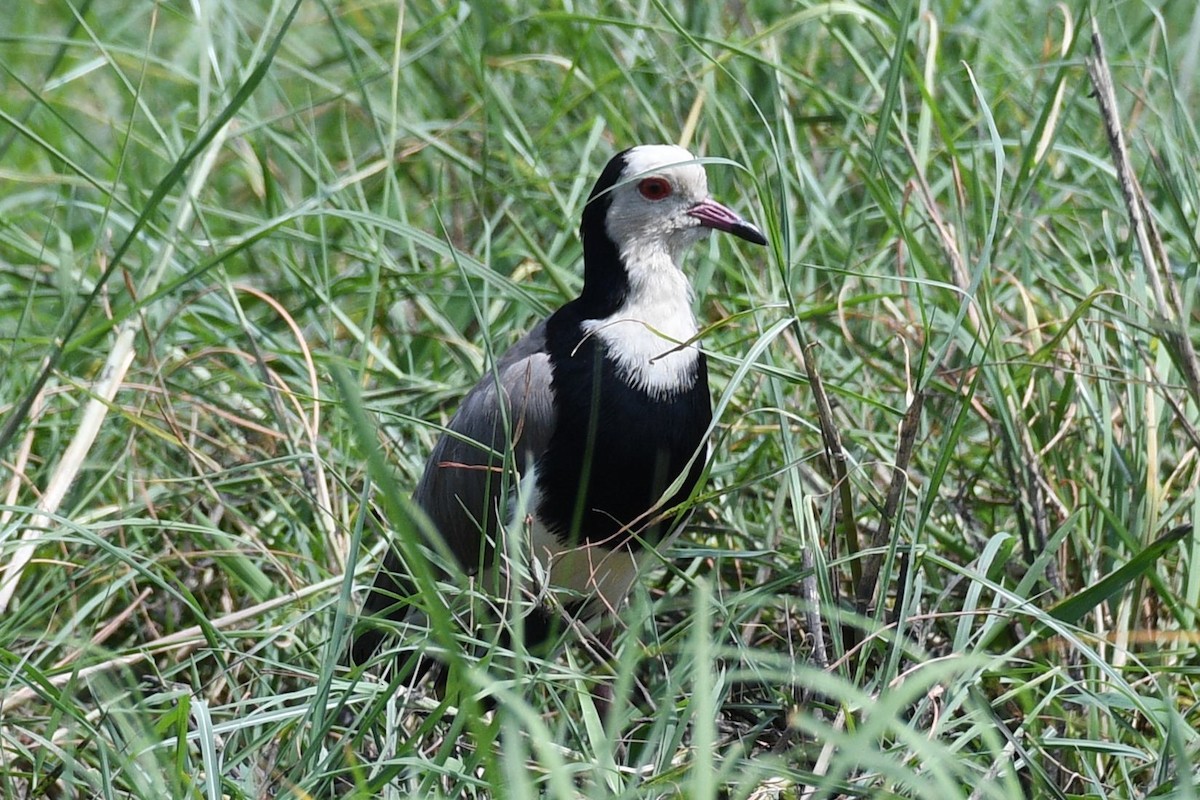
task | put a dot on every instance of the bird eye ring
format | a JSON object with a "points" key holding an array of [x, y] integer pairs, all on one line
{"points": [[655, 188]]}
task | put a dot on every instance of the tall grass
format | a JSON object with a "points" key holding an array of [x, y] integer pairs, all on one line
{"points": [[252, 253]]}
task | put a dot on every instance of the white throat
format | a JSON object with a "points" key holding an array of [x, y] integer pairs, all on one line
{"points": [[646, 335]]}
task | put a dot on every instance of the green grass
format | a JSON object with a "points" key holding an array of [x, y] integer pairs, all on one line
{"points": [[312, 226]]}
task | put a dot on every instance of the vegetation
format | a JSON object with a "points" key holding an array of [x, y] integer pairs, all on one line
{"points": [[251, 253]]}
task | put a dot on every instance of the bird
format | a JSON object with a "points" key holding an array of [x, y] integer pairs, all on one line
{"points": [[600, 413]]}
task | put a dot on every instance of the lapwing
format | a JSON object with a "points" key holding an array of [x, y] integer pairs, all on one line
{"points": [[599, 415]]}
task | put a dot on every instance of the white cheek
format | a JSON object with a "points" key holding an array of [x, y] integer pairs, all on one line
{"points": [[681, 241]]}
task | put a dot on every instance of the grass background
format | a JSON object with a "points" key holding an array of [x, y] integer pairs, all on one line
{"points": [[242, 243]]}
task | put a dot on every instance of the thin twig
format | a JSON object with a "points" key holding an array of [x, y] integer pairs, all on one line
{"points": [[869, 585], [1150, 245], [836, 458]]}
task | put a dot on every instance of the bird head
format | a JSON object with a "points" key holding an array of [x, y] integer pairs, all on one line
{"points": [[650, 204], [655, 198]]}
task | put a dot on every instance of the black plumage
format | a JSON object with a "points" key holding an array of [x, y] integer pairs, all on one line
{"points": [[605, 403]]}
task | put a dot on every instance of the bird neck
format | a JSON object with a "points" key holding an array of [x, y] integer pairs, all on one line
{"points": [[605, 279]]}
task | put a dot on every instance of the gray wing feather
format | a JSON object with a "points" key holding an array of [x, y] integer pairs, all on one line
{"points": [[509, 412]]}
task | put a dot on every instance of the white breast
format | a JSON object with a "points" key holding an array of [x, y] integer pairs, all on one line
{"points": [[645, 336]]}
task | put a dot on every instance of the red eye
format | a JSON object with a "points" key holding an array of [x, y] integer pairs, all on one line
{"points": [[655, 188]]}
